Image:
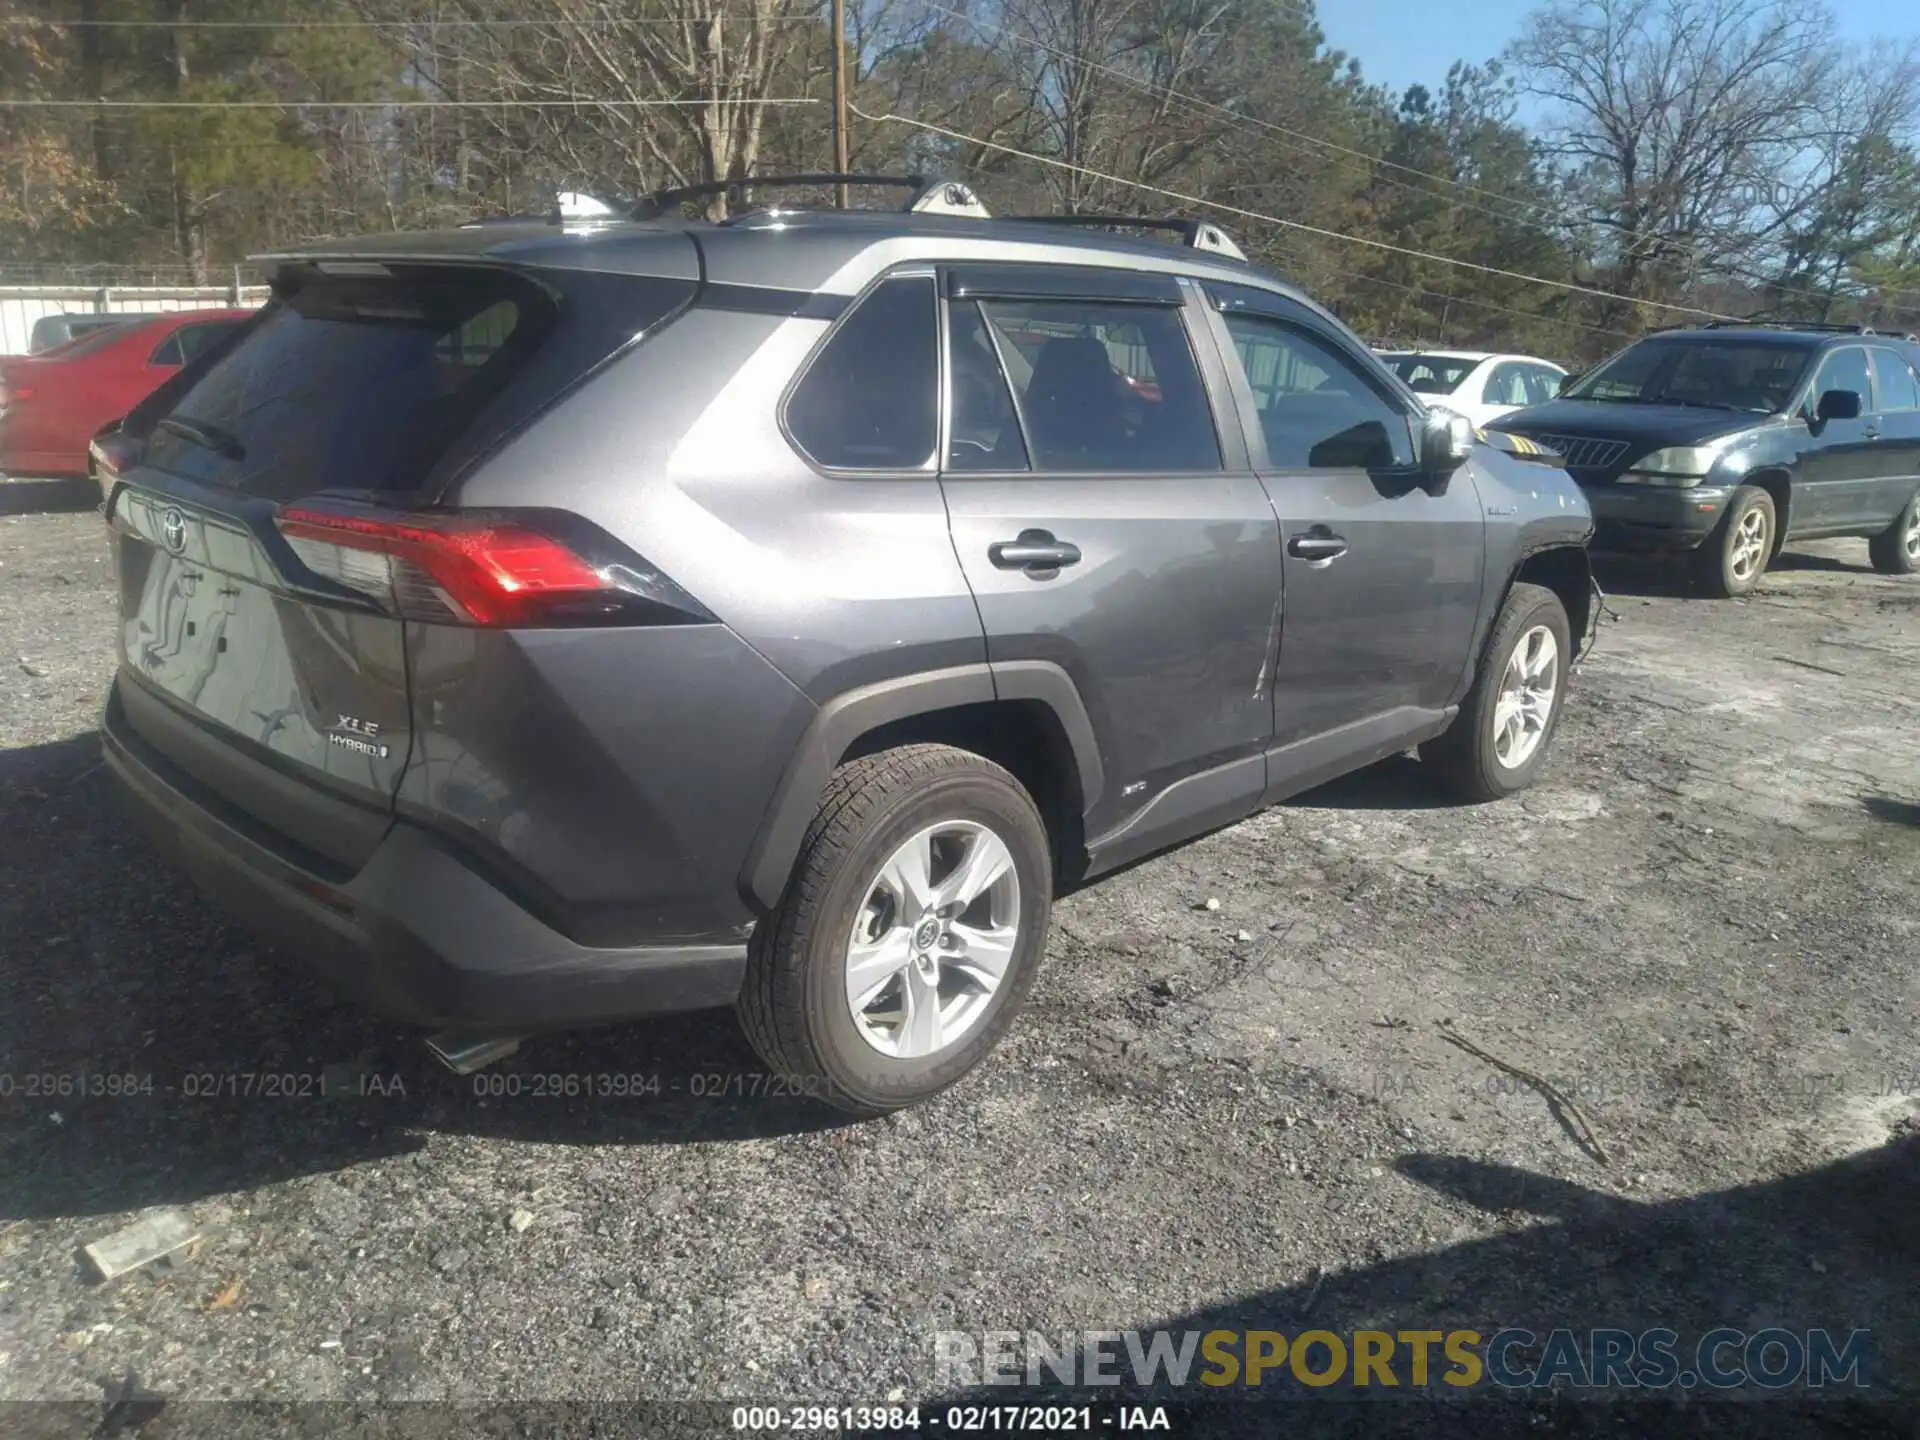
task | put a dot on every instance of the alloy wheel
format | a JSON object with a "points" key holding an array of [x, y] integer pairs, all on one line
{"points": [[1748, 546], [1527, 690], [933, 940]]}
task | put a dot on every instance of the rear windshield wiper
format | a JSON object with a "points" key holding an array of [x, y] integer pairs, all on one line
{"points": [[206, 436]]}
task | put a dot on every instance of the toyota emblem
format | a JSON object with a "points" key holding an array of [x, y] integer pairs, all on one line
{"points": [[173, 531]]}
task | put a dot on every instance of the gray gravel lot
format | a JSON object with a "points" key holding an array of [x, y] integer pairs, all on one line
{"points": [[1701, 926]]}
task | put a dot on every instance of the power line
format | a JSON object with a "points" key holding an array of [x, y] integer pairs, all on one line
{"points": [[1361, 157], [24, 21], [1185, 199], [387, 104]]}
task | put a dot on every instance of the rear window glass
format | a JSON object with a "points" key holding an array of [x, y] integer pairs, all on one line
{"points": [[354, 383]]}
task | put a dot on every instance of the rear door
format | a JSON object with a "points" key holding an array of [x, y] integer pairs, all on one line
{"points": [[1108, 525], [253, 659], [1383, 580], [1897, 476]]}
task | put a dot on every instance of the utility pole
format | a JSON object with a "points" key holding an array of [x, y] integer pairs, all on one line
{"points": [[840, 99]]}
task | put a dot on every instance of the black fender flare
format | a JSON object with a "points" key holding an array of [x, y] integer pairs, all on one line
{"points": [[841, 721]]}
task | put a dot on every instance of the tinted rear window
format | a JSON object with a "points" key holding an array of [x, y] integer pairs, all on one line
{"points": [[394, 382], [356, 383]]}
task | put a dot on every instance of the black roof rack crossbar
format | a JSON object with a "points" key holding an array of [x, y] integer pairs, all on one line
{"points": [[661, 202], [1196, 234]]}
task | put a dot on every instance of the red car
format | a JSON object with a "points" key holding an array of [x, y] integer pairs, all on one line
{"points": [[52, 404]]}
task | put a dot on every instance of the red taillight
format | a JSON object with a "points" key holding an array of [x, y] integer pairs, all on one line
{"points": [[472, 569]]}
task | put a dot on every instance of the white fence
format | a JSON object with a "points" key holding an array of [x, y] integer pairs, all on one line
{"points": [[22, 305]]}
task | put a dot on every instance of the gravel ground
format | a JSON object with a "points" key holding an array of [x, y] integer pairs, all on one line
{"points": [[1701, 926]]}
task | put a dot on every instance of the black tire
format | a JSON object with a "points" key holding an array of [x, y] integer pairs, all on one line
{"points": [[1716, 571], [1896, 549], [793, 1002], [1465, 758]]}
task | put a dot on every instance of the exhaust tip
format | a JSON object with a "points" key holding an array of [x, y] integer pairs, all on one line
{"points": [[464, 1054]]}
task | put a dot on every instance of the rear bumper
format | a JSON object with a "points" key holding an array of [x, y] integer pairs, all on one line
{"points": [[416, 934], [1645, 517]]}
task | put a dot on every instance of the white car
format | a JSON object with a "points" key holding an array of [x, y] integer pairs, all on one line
{"points": [[1479, 386]]}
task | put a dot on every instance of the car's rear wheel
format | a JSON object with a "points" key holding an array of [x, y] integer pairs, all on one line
{"points": [[1896, 549], [910, 932], [1733, 558], [1498, 740]]}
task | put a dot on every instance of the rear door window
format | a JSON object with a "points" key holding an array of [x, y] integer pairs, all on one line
{"points": [[1894, 378], [870, 399], [353, 382], [1104, 387], [1507, 385], [986, 428], [1542, 384]]}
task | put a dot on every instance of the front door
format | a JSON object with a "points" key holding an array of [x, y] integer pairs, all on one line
{"points": [[1837, 476], [1109, 526], [1383, 580]]}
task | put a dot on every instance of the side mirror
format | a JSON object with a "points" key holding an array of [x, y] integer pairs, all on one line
{"points": [[1445, 445], [1560, 383], [1838, 405]]}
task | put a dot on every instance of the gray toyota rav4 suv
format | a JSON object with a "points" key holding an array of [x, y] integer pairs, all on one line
{"points": [[541, 624]]}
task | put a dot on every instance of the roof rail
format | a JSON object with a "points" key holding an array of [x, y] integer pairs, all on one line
{"points": [[662, 202], [1760, 322], [1196, 234]]}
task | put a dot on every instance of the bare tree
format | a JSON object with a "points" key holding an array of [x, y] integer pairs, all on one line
{"points": [[1677, 120], [598, 70]]}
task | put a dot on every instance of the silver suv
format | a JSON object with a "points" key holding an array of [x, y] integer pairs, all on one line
{"points": [[541, 624]]}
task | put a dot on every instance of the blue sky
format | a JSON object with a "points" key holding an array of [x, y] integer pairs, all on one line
{"points": [[1407, 42]]}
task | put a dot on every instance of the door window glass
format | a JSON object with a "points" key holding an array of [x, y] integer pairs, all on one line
{"points": [[1845, 369], [1315, 407], [1105, 387], [870, 399], [1542, 384], [1899, 390], [986, 428], [1506, 386]]}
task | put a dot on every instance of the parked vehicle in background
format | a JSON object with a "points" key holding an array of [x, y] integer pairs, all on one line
{"points": [[1727, 441], [52, 331], [778, 612], [54, 403], [1476, 384]]}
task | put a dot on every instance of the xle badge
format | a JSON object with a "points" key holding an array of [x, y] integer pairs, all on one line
{"points": [[350, 732]]}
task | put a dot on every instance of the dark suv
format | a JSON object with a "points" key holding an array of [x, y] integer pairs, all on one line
{"points": [[1730, 440], [543, 624]]}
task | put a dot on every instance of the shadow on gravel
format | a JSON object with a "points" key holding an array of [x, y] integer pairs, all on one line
{"points": [[1660, 576], [1396, 783], [150, 1054], [38, 497], [1834, 1248], [1894, 812], [1800, 560]]}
